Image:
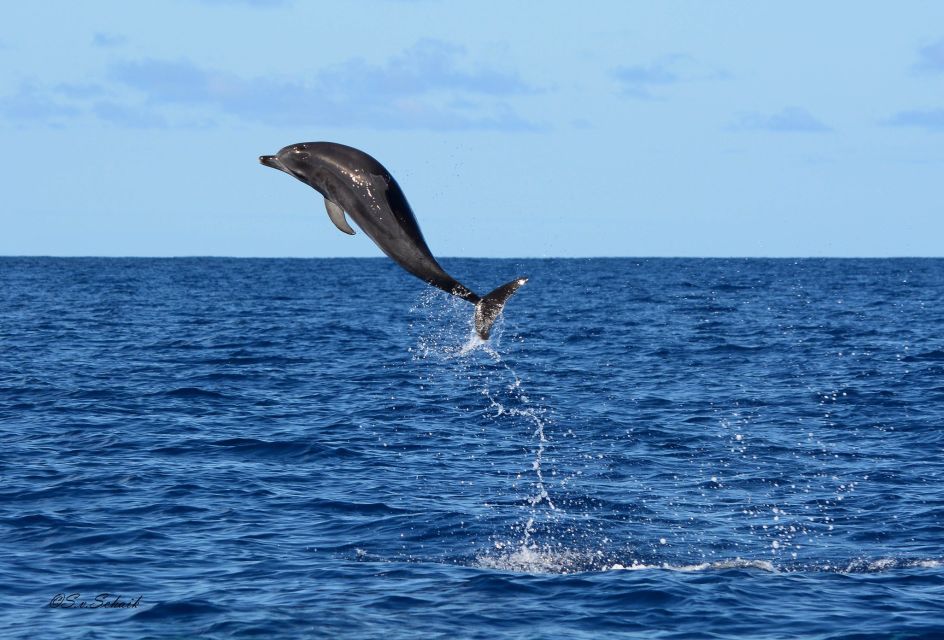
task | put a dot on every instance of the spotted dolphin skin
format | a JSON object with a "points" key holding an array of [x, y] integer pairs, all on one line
{"points": [[354, 183]]}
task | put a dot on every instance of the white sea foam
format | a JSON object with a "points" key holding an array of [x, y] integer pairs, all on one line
{"points": [[536, 559], [533, 559], [736, 563]]}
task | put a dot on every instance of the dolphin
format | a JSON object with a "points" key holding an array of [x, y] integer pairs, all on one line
{"points": [[354, 183]]}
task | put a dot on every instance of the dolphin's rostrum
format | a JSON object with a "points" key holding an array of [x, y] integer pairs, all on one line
{"points": [[353, 182]]}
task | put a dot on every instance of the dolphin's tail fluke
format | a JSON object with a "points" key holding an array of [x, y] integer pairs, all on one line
{"points": [[490, 307]]}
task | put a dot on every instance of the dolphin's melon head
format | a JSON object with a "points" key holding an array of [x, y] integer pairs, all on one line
{"points": [[295, 160]]}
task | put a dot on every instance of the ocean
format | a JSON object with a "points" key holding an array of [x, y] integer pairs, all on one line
{"points": [[319, 448]]}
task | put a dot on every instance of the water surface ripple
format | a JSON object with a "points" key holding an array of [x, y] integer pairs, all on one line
{"points": [[317, 448]]}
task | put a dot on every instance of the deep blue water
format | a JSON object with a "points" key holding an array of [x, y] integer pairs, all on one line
{"points": [[316, 448]]}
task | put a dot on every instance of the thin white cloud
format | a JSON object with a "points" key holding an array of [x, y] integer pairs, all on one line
{"points": [[432, 85], [425, 87], [264, 4], [640, 81], [652, 81], [931, 57], [32, 104], [107, 40], [927, 119], [130, 117], [80, 91], [787, 120]]}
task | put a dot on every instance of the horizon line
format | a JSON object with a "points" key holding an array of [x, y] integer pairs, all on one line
{"points": [[600, 257]]}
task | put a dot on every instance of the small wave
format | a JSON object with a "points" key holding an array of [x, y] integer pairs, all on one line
{"points": [[735, 348], [885, 564], [726, 287], [190, 392], [541, 560], [654, 402], [289, 449], [179, 609], [937, 355], [722, 565], [243, 360], [37, 520], [714, 308], [223, 376], [400, 603], [880, 565], [538, 560], [175, 509], [102, 541], [363, 508], [93, 394], [584, 335], [295, 450], [167, 345]]}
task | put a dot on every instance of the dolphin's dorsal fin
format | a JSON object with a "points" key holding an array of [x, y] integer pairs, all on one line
{"points": [[336, 214]]}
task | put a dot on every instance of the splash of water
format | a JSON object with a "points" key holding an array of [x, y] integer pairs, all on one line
{"points": [[533, 415], [508, 402], [553, 533]]}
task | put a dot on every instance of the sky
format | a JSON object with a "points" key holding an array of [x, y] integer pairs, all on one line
{"points": [[516, 129]]}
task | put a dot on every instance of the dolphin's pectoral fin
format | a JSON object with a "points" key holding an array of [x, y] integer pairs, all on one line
{"points": [[336, 214]]}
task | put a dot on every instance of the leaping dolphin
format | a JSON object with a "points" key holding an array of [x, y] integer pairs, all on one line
{"points": [[353, 182]]}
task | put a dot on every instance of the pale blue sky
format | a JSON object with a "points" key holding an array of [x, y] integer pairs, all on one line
{"points": [[515, 128]]}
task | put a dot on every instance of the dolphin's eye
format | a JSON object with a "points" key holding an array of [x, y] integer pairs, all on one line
{"points": [[298, 150]]}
